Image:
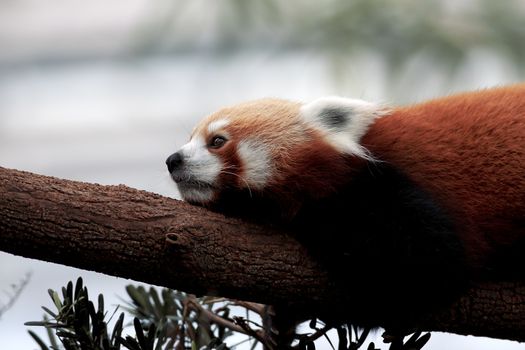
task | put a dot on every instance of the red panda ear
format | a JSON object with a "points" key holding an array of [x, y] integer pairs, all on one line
{"points": [[343, 121]]}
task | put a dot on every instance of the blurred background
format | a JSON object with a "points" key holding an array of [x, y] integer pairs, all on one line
{"points": [[103, 91]]}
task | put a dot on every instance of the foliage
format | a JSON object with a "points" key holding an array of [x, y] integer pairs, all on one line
{"points": [[77, 323], [351, 337], [175, 320], [435, 45], [165, 321], [182, 318], [397, 30]]}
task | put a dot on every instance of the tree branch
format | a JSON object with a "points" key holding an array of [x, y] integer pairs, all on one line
{"points": [[134, 234]]}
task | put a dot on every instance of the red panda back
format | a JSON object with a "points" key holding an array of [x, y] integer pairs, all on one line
{"points": [[468, 152]]}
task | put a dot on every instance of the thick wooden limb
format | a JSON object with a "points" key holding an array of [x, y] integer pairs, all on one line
{"points": [[124, 232], [134, 234]]}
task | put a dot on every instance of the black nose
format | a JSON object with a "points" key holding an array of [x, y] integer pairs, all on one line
{"points": [[174, 161]]}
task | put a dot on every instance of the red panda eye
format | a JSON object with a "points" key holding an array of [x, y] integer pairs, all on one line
{"points": [[217, 142]]}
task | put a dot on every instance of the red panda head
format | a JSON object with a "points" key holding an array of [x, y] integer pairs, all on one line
{"points": [[272, 148]]}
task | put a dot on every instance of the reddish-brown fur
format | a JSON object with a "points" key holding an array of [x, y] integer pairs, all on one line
{"points": [[468, 152], [306, 167]]}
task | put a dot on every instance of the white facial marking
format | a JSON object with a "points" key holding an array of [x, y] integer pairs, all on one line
{"points": [[256, 162], [199, 162], [199, 172], [194, 194], [343, 131], [217, 125]]}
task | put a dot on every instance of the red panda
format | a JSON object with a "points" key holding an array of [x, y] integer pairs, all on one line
{"points": [[403, 205]]}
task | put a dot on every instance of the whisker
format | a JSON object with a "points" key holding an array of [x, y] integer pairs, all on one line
{"points": [[240, 177]]}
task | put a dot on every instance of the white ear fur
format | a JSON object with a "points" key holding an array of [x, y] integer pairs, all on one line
{"points": [[343, 121]]}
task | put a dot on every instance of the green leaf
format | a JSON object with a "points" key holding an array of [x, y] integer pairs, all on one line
{"points": [[140, 298], [130, 343], [51, 336], [117, 329], [101, 303], [105, 344], [158, 307], [64, 296], [66, 334], [172, 305], [343, 341], [412, 340], [39, 341], [55, 298], [36, 323], [422, 341], [78, 288], [363, 337], [313, 323], [152, 332], [139, 332]]}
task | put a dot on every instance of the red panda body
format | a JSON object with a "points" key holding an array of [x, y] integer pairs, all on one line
{"points": [[468, 152], [403, 206]]}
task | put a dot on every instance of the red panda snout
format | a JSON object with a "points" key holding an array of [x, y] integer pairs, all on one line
{"points": [[215, 160], [195, 171]]}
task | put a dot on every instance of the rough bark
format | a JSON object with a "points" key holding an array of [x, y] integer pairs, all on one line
{"points": [[134, 234]]}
